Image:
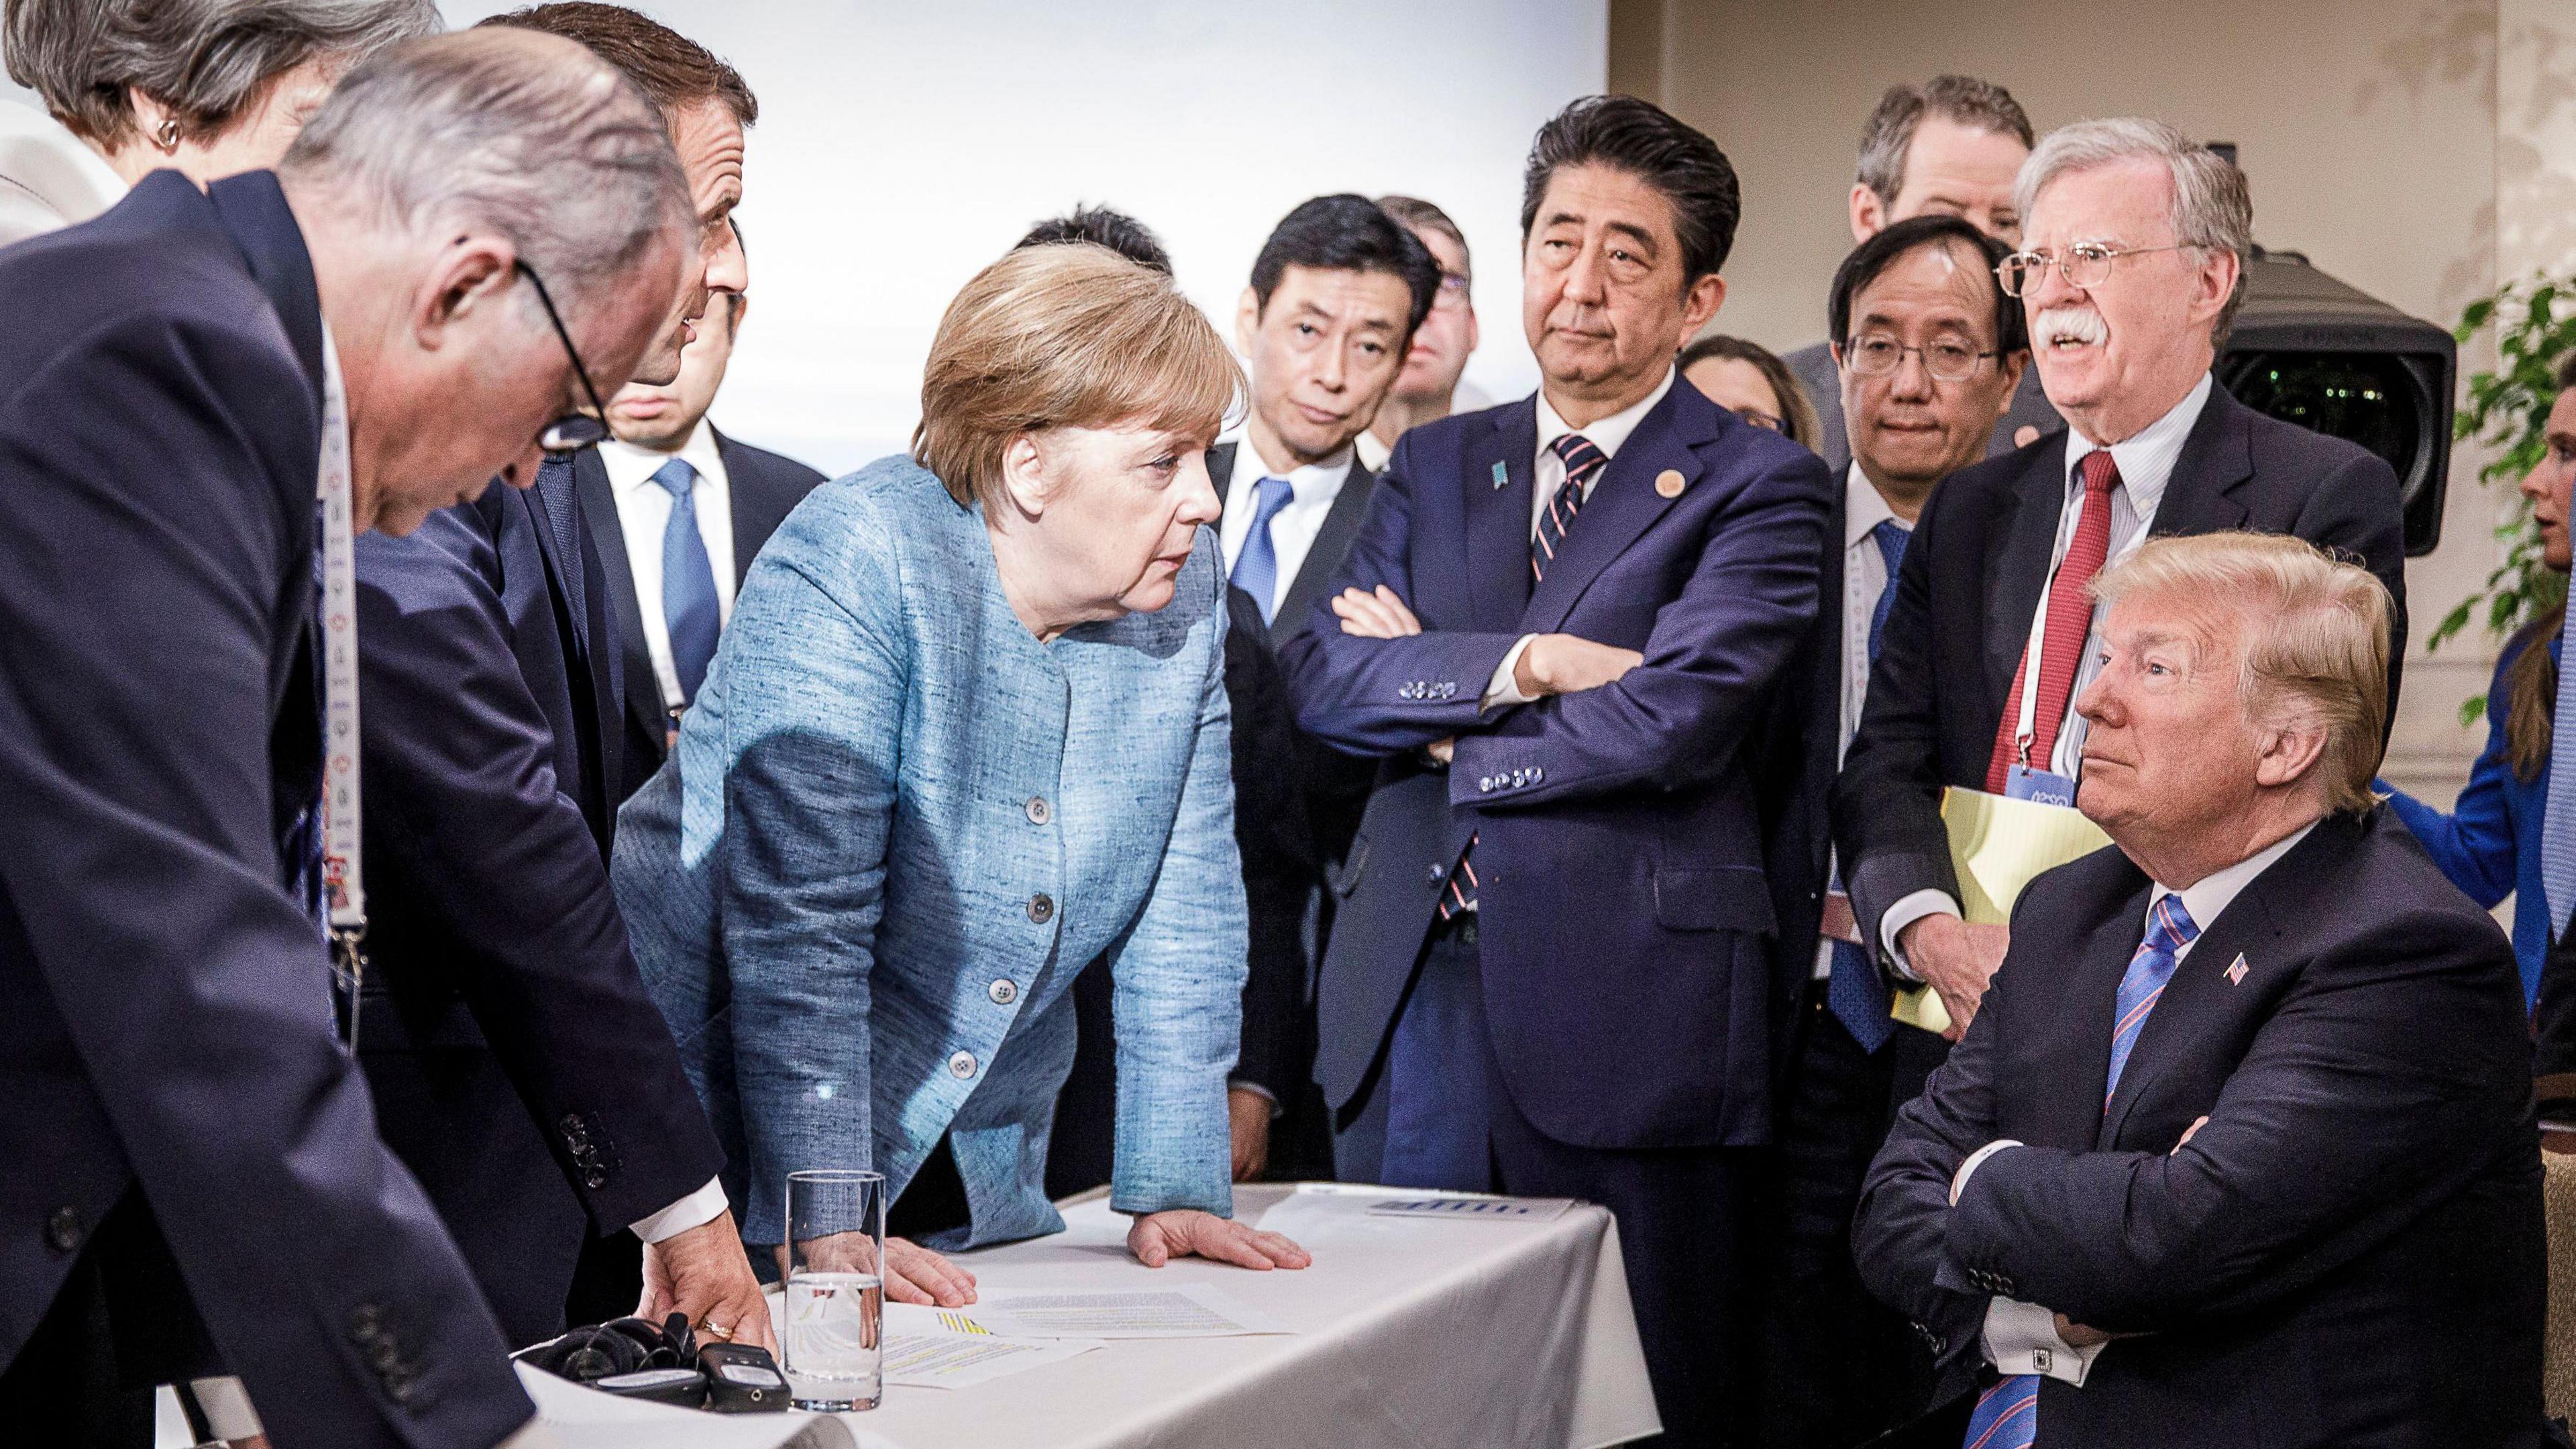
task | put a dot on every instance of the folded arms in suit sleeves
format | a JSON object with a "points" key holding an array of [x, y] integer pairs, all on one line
{"points": [[2369, 1094], [158, 534], [490, 872]]}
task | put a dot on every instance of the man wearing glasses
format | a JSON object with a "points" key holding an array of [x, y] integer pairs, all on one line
{"points": [[519, 1068], [1432, 384], [1930, 350]]}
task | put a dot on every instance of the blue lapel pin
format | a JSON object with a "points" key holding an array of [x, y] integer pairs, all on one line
{"points": [[1502, 476]]}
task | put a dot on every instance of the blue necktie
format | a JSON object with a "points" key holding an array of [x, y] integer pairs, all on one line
{"points": [[1256, 568], [2007, 1417], [688, 582], [2558, 822], [1855, 992]]}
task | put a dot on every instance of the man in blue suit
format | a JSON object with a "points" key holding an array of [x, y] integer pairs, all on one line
{"points": [[1561, 627], [193, 1180], [526, 1078]]}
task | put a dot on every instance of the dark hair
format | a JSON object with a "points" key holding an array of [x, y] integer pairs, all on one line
{"points": [[1630, 135], [1798, 417], [203, 60], [1101, 226], [1347, 233], [2531, 681], [1420, 216], [1872, 258], [1888, 136], [675, 71]]}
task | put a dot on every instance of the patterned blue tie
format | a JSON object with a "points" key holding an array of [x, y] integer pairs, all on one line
{"points": [[2558, 822], [2007, 1417], [1256, 568], [1855, 992], [688, 582]]}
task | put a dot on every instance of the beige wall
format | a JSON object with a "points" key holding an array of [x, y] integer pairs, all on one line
{"points": [[2372, 131]]}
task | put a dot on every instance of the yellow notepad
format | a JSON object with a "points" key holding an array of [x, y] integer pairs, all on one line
{"points": [[1998, 845]]}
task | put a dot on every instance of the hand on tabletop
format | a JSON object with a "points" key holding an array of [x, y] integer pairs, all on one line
{"points": [[1375, 615], [1956, 959], [702, 1272], [912, 1273], [1157, 1238], [1248, 1122]]}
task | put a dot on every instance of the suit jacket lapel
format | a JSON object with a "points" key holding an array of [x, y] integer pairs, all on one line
{"points": [[1498, 511], [2029, 518], [255, 212], [2217, 456], [2086, 1004], [1626, 502], [1324, 556], [642, 690], [1220, 464]]}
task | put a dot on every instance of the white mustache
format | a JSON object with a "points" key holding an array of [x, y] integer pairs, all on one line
{"points": [[2073, 324]]}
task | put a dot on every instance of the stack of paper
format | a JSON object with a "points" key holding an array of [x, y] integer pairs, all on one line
{"points": [[1998, 845]]}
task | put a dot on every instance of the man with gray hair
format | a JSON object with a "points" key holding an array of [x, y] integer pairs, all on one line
{"points": [[2240, 1148], [195, 1181], [2137, 239], [1949, 146]]}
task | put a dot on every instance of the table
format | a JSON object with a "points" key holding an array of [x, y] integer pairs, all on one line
{"points": [[1409, 1333]]}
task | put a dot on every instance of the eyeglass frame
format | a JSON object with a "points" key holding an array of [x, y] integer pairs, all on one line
{"points": [[1851, 359], [1456, 288], [2103, 252], [574, 431], [1760, 419]]}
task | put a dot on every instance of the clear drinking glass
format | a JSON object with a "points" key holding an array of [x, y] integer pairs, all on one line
{"points": [[835, 1289]]}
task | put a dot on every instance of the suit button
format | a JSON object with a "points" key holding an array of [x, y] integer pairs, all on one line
{"points": [[1003, 992], [1041, 908], [962, 1065], [366, 1323], [1537, 773], [1485, 783], [63, 1229], [575, 1134], [594, 1179], [1437, 873], [1040, 812]]}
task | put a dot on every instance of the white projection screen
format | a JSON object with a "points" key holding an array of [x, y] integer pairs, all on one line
{"points": [[901, 146]]}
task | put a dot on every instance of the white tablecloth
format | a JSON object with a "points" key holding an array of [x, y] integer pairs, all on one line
{"points": [[1420, 1334]]}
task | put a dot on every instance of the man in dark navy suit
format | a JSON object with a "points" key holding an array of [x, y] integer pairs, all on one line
{"points": [[525, 1076], [2239, 1148], [194, 1181], [1561, 628]]}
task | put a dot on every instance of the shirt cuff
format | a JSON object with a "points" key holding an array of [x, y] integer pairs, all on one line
{"points": [[1246, 1084], [1504, 688], [2021, 1338], [1908, 909], [1976, 1159], [694, 1211], [226, 1405]]}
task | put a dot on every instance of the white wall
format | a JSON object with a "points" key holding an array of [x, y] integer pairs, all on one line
{"points": [[902, 146]]}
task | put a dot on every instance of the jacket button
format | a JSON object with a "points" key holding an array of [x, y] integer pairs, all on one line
{"points": [[366, 1323], [1040, 812], [1437, 873], [63, 1228], [1041, 908], [594, 1179], [1537, 773], [1003, 992], [962, 1065]]}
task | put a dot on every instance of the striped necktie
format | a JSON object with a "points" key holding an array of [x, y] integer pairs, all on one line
{"points": [[1583, 464], [2070, 618], [2007, 1417]]}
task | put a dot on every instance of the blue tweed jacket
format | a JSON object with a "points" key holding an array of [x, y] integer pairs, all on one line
{"points": [[894, 830]]}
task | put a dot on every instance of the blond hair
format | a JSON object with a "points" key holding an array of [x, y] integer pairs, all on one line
{"points": [[2313, 632], [1072, 336]]}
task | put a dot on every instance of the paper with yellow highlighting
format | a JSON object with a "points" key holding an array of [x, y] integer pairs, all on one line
{"points": [[1998, 845]]}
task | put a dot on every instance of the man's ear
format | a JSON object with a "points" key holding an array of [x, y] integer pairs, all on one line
{"points": [[1024, 476], [1701, 302], [1247, 322], [2289, 754], [2219, 270], [1868, 213], [469, 273], [2010, 365]]}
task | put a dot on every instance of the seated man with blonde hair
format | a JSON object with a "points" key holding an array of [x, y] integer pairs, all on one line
{"points": [[2239, 1147]]}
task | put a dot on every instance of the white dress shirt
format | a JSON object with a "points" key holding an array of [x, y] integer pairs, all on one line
{"points": [[2022, 1338], [1864, 576], [1311, 491], [1548, 475], [2146, 463], [644, 514]]}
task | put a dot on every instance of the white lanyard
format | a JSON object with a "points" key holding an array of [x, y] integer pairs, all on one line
{"points": [[342, 883]]}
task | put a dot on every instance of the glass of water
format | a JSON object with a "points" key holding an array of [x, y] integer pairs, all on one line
{"points": [[835, 1289]]}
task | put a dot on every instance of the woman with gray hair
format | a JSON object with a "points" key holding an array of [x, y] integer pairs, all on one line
{"points": [[207, 88]]}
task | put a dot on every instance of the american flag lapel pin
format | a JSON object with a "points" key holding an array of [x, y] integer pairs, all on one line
{"points": [[2236, 970], [1502, 476]]}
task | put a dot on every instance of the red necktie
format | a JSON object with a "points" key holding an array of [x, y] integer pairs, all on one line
{"points": [[2070, 618]]}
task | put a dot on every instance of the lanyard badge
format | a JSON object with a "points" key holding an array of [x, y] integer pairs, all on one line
{"points": [[344, 891]]}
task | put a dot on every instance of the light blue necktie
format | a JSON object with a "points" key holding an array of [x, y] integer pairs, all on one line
{"points": [[2007, 1417], [688, 581], [1855, 992], [2558, 822], [1256, 569]]}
